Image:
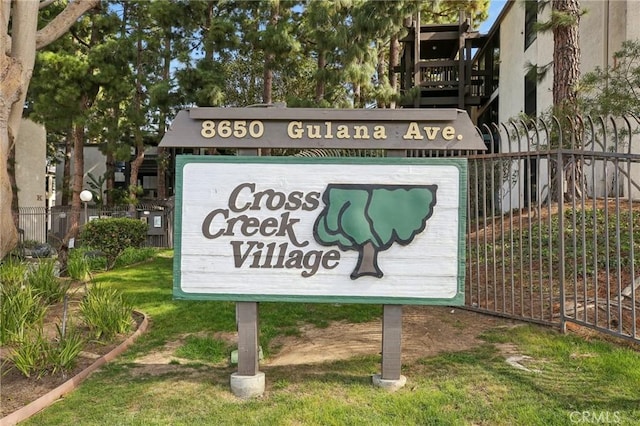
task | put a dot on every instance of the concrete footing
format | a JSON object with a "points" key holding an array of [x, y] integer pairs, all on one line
{"points": [[390, 385], [246, 387]]}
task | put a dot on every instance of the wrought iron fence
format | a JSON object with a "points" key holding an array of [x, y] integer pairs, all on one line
{"points": [[40, 224], [554, 224]]}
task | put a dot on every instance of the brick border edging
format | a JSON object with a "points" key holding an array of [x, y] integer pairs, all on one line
{"points": [[53, 395]]}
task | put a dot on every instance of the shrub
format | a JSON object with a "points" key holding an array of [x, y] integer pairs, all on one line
{"points": [[112, 235], [35, 355], [30, 356], [105, 312], [12, 271], [62, 357], [20, 309], [133, 255], [43, 280], [78, 266]]}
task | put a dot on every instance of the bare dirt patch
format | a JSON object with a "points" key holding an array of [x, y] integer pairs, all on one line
{"points": [[427, 331], [17, 390]]}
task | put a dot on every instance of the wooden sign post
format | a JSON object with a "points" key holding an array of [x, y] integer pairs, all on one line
{"points": [[388, 230]]}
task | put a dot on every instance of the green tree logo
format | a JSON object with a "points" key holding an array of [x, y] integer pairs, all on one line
{"points": [[371, 218]]}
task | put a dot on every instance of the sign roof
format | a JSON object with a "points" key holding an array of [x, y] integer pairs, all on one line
{"points": [[434, 129]]}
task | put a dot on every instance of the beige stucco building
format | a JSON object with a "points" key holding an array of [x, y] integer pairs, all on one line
{"points": [[603, 27], [31, 165], [35, 184]]}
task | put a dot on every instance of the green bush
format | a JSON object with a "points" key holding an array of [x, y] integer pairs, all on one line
{"points": [[113, 235], [62, 357], [105, 312], [12, 271], [43, 280], [78, 266], [21, 308], [131, 256], [30, 356], [35, 355]]}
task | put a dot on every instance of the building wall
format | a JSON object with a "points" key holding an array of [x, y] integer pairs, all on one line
{"points": [[511, 63], [603, 28], [94, 163], [31, 179], [31, 164]]}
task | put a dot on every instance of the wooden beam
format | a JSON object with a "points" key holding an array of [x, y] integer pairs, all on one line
{"points": [[416, 57], [461, 64], [433, 36], [391, 342], [247, 318], [247, 313]]}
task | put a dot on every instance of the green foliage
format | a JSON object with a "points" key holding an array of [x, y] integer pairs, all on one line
{"points": [[113, 235], [83, 261], [614, 90], [41, 278], [21, 309], [30, 356], [589, 238], [78, 266], [132, 255], [96, 185], [63, 355], [567, 376], [36, 356], [12, 271], [105, 312]]}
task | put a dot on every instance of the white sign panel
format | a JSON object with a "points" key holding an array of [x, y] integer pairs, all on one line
{"points": [[320, 230]]}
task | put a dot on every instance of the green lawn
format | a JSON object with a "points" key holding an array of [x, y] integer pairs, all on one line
{"points": [[568, 380]]}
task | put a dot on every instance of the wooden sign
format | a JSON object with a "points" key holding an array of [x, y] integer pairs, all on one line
{"points": [[351, 230], [437, 129]]}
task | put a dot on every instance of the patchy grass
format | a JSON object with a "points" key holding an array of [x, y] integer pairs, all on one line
{"points": [[203, 349], [148, 287], [566, 375], [562, 377]]}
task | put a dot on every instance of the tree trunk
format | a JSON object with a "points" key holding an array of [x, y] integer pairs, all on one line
{"points": [[269, 59], [357, 95], [566, 56], [394, 61], [566, 75], [133, 179], [76, 203], [11, 169], [15, 75], [15, 72], [367, 262], [66, 169], [162, 160], [382, 76], [208, 20], [138, 137], [110, 177], [267, 87], [320, 80], [10, 87]]}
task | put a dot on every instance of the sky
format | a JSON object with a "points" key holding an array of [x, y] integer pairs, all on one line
{"points": [[495, 7]]}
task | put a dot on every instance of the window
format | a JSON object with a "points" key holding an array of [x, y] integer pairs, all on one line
{"points": [[530, 97], [530, 20]]}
